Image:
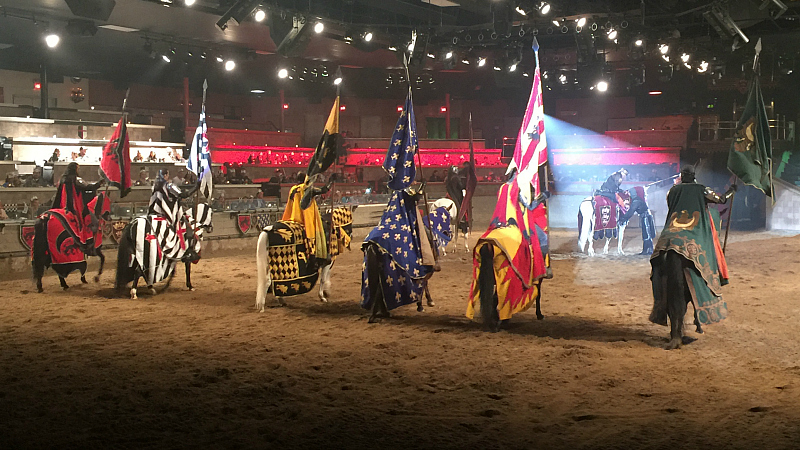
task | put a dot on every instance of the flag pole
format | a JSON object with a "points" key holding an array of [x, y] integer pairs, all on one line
{"points": [[199, 151], [338, 76], [419, 158], [125, 119]]}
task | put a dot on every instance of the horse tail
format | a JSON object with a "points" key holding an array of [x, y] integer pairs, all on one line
{"points": [[262, 269], [486, 282], [125, 251], [39, 256]]}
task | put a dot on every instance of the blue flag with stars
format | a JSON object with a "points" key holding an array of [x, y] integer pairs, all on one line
{"points": [[397, 238], [399, 162]]}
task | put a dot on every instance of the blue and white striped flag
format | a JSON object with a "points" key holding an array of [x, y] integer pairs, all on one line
{"points": [[200, 158]]}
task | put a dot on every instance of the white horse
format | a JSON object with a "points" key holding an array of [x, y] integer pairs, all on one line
{"points": [[586, 220], [452, 209]]}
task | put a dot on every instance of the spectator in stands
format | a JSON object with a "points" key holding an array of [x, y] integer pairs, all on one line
{"points": [[219, 203], [144, 178], [435, 177], [36, 179], [176, 156], [243, 178], [259, 200], [33, 208], [81, 154], [56, 155], [138, 157], [3, 215], [12, 180], [189, 177], [152, 156]]}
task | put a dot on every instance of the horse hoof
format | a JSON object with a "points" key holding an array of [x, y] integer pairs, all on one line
{"points": [[65, 287], [674, 344], [83, 280], [152, 291], [97, 278], [539, 317], [39, 290], [420, 308], [700, 330], [134, 297], [191, 289], [374, 319], [430, 303]]}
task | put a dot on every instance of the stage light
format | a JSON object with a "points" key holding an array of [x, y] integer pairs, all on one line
{"points": [[602, 86], [544, 8], [393, 48], [260, 15], [498, 68], [399, 108], [443, 109], [481, 61], [663, 48], [685, 57], [165, 58], [581, 22], [520, 11], [283, 73], [256, 91], [525, 74], [230, 65], [368, 36], [665, 57], [188, 2], [512, 67], [654, 92], [337, 81], [319, 27], [52, 40], [562, 79], [203, 55], [612, 34], [431, 56], [219, 59], [465, 61], [448, 55], [285, 106]]}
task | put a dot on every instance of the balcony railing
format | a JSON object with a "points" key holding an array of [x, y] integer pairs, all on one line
{"points": [[711, 129]]}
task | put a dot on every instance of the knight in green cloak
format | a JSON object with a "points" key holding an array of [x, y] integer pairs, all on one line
{"points": [[692, 232]]}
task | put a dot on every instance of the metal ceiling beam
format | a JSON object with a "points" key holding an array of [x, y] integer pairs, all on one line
{"points": [[402, 8]]}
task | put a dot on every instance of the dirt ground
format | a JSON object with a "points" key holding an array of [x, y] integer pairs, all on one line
{"points": [[202, 369]]}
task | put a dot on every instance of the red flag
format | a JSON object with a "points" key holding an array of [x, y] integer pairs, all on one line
{"points": [[531, 149], [115, 166]]}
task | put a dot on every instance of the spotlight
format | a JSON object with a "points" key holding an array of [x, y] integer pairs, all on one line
{"points": [[256, 91], [319, 27], [582, 22], [638, 42], [602, 86], [556, 23], [337, 81], [283, 73], [260, 15], [203, 55], [368, 36], [687, 65], [393, 48], [544, 8], [498, 68], [520, 11], [663, 48], [188, 2], [512, 67], [230, 65], [612, 34], [52, 40], [165, 58], [219, 59], [665, 57], [525, 74], [448, 55], [562, 79], [685, 57], [465, 61], [481, 61], [431, 55]]}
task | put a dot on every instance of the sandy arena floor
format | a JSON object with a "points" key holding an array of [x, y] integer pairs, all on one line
{"points": [[203, 370]]}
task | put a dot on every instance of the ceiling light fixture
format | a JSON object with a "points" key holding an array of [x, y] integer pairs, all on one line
{"points": [[319, 27], [230, 65], [165, 58], [481, 61], [520, 11], [703, 67], [663, 48], [602, 86], [581, 22], [448, 55], [188, 2], [368, 36], [283, 73], [544, 8], [612, 34], [52, 40], [260, 15], [638, 42]]}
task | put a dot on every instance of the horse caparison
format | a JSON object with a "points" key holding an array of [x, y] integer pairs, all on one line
{"points": [[678, 296], [374, 276], [488, 291]]}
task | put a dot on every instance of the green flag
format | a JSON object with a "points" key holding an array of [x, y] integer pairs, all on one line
{"points": [[750, 156]]}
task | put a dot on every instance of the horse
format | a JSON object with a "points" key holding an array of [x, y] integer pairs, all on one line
{"points": [[286, 261], [610, 214], [150, 248], [62, 242], [678, 295], [452, 210]]}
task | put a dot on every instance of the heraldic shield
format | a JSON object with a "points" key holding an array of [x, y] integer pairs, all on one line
{"points": [[244, 223], [292, 264]]}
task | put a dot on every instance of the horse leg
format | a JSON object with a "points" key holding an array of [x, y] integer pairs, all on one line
{"points": [[102, 263], [39, 255], [620, 235], [263, 275], [676, 299], [189, 275], [83, 273], [428, 295], [466, 240], [134, 285], [325, 282], [605, 247], [539, 315], [374, 279], [63, 282], [488, 296]]}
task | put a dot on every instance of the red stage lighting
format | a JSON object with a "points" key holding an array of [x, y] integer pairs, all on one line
{"points": [[655, 92], [399, 108], [342, 107], [285, 106], [443, 109], [37, 86]]}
